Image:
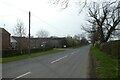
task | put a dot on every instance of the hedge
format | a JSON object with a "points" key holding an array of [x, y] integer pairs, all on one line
{"points": [[10, 53], [112, 48]]}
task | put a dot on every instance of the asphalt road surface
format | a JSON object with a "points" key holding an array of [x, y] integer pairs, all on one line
{"points": [[72, 63]]}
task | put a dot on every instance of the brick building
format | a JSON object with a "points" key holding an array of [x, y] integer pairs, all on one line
{"points": [[5, 39]]}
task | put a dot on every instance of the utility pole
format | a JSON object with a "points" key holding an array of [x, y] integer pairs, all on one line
{"points": [[29, 31]]}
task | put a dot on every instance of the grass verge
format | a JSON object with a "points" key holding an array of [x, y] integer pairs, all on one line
{"points": [[21, 57], [106, 66]]}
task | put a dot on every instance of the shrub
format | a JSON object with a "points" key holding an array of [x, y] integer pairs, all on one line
{"points": [[105, 47], [97, 44], [115, 48], [10, 53], [101, 46], [111, 48], [7, 53]]}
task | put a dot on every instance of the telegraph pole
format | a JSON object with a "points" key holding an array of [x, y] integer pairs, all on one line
{"points": [[29, 31]]}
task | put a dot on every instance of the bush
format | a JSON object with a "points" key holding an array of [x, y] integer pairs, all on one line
{"points": [[35, 50], [10, 53], [105, 47], [97, 44], [111, 48], [115, 48], [7, 53]]}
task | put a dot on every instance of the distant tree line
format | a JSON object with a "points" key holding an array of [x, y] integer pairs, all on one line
{"points": [[76, 41]]}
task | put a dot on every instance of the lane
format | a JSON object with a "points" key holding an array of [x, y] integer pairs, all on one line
{"points": [[13, 69], [21, 75], [58, 59], [72, 63], [74, 66]]}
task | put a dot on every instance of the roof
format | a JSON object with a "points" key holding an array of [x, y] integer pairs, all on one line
{"points": [[12, 40], [1, 30], [53, 38], [49, 38]]}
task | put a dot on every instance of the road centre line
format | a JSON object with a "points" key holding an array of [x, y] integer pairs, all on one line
{"points": [[59, 59], [72, 53], [21, 75]]}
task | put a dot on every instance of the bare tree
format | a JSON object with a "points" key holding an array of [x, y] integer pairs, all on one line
{"points": [[19, 29], [105, 19], [93, 31], [42, 33], [105, 16], [77, 37], [65, 3]]}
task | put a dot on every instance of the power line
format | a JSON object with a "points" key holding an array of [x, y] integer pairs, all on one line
{"points": [[9, 15], [26, 12], [31, 15], [42, 20], [14, 6], [46, 22]]}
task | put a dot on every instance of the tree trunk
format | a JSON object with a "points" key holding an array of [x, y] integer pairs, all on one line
{"points": [[102, 38]]}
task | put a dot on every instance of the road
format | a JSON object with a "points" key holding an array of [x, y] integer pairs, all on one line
{"points": [[72, 63]]}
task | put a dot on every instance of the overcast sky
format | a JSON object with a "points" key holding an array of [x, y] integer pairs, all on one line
{"points": [[43, 16]]}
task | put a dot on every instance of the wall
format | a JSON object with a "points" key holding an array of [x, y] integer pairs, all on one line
{"points": [[5, 39]]}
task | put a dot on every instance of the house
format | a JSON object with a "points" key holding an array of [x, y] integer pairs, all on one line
{"points": [[39, 42], [5, 39], [54, 42], [58, 42], [22, 42], [13, 43]]}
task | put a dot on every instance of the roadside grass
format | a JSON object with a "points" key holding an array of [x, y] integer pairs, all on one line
{"points": [[21, 57], [106, 66]]}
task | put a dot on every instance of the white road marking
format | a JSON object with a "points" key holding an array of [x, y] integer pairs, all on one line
{"points": [[72, 53], [21, 75], [58, 59]]}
